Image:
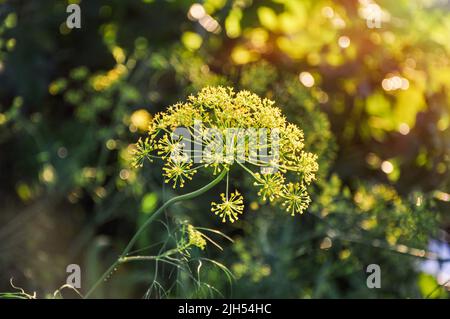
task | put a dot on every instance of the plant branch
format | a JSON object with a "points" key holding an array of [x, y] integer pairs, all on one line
{"points": [[170, 202]]}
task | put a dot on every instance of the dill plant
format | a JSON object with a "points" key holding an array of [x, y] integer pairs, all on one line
{"points": [[282, 178], [221, 108]]}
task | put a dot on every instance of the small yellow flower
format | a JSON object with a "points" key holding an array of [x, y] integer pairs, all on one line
{"points": [[196, 237], [229, 208], [168, 147], [178, 172], [296, 198], [271, 185], [308, 166], [143, 151]]}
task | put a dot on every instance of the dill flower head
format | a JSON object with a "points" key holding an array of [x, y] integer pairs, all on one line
{"points": [[221, 130], [195, 237], [230, 207], [189, 238]]}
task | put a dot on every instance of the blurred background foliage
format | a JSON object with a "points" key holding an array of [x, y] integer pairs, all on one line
{"points": [[374, 104]]}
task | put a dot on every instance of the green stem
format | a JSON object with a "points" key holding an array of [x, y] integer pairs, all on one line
{"points": [[171, 201], [228, 178], [248, 171]]}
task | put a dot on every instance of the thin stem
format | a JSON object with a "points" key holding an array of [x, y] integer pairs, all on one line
{"points": [[228, 178], [247, 170], [171, 201], [437, 288]]}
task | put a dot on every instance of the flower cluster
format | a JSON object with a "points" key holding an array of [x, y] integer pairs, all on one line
{"points": [[189, 238], [282, 173], [195, 237], [230, 207]]}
